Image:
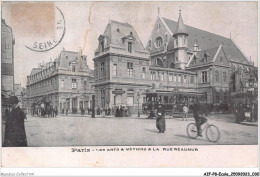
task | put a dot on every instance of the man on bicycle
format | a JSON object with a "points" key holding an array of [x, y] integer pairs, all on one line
{"points": [[199, 112]]}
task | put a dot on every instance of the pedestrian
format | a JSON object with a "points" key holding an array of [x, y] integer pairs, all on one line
{"points": [[160, 120], [121, 111], [15, 135], [117, 111], [108, 111], [185, 112], [67, 111]]}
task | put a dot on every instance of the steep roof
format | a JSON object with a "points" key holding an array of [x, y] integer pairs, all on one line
{"points": [[66, 57], [180, 29], [208, 40], [116, 31], [200, 57]]}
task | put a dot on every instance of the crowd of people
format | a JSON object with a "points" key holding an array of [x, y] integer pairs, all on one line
{"points": [[45, 111], [117, 111], [246, 112]]}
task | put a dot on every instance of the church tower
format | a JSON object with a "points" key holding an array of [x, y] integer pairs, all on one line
{"points": [[180, 37]]}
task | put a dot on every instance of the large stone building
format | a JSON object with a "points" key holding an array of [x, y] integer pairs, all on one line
{"points": [[176, 55], [64, 83], [7, 62]]}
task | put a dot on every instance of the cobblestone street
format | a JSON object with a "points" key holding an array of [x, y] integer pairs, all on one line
{"points": [[86, 131]]}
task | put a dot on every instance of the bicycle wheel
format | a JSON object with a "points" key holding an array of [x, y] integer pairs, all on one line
{"points": [[192, 130], [212, 133]]}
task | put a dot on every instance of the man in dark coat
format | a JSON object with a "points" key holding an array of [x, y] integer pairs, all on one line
{"points": [[15, 135], [199, 110], [160, 120]]}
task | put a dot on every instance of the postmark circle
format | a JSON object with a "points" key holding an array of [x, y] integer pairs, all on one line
{"points": [[50, 42]]}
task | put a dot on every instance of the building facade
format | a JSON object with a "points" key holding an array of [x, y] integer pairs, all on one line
{"points": [[65, 83], [7, 62], [176, 55]]}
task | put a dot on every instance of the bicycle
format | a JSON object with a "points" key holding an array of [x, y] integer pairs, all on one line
{"points": [[212, 131]]}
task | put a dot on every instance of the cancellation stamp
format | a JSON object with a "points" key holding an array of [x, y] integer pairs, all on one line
{"points": [[51, 41]]}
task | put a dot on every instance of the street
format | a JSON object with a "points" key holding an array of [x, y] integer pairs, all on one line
{"points": [[87, 131]]}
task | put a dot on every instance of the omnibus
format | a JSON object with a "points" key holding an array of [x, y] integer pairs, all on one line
{"points": [[173, 101]]}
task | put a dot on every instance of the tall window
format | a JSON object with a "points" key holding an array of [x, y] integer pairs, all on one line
{"points": [[73, 68], [144, 72], [74, 83], [162, 77], [192, 79], [225, 76], [129, 69], [184, 40], [175, 78], [115, 70], [185, 79], [85, 84], [130, 47], [158, 41], [130, 97], [153, 76], [62, 84], [217, 76], [102, 98], [179, 78], [102, 69], [204, 78], [170, 77]]}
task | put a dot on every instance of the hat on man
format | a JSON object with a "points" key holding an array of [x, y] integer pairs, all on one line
{"points": [[14, 100]]}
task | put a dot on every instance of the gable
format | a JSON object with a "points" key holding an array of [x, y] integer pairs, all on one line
{"points": [[159, 31], [207, 40], [221, 58]]}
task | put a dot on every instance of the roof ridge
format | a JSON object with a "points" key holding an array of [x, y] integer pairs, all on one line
{"points": [[199, 29], [121, 23], [211, 48]]}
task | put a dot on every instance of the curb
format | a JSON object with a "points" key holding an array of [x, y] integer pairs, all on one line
{"points": [[249, 124]]}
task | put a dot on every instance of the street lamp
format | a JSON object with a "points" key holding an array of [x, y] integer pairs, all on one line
{"points": [[138, 98]]}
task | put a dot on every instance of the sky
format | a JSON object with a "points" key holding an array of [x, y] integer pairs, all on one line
{"points": [[85, 21]]}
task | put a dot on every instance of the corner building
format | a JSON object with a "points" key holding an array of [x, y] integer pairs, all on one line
{"points": [[65, 83], [176, 56]]}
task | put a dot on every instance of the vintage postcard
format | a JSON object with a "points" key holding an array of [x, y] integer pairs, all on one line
{"points": [[129, 84]]}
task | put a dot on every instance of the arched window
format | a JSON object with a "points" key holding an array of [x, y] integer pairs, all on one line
{"points": [[158, 42], [172, 65], [159, 62]]}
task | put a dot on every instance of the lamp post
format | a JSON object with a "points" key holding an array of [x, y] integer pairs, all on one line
{"points": [[93, 107], [138, 98]]}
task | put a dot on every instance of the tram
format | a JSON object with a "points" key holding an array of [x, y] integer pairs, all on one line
{"points": [[173, 101]]}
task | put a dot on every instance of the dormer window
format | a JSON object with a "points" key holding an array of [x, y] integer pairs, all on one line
{"points": [[130, 47], [118, 30], [158, 42], [102, 46], [131, 33], [67, 57]]}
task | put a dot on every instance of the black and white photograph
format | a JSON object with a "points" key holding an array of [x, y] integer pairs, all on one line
{"points": [[129, 74]]}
